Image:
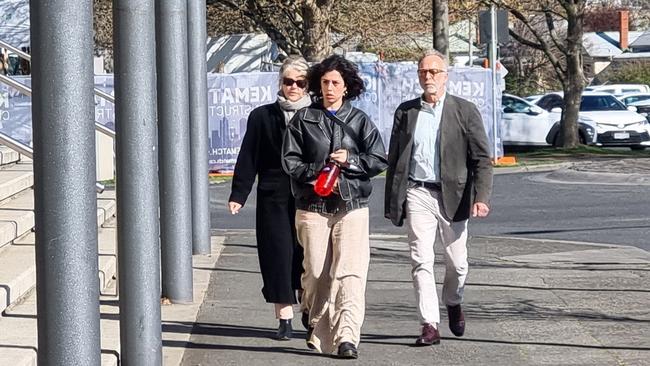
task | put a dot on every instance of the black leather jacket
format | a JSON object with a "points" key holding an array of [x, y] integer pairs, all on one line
{"points": [[312, 136]]}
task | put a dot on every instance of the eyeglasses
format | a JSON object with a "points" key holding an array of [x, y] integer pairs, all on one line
{"points": [[299, 83], [432, 72]]}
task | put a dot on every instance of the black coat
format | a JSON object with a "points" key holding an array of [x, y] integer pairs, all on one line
{"points": [[312, 136], [280, 255], [465, 166]]}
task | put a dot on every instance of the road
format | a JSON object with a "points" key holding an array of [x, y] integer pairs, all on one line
{"points": [[523, 205]]}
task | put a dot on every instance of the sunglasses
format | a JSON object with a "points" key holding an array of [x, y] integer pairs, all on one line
{"points": [[432, 72], [299, 83]]}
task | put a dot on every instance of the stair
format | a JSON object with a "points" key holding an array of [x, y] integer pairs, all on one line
{"points": [[18, 329]]}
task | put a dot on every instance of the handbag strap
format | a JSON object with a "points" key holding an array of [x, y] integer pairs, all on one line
{"points": [[343, 125]]}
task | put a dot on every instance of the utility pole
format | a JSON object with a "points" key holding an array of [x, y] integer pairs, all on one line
{"points": [[493, 67]]}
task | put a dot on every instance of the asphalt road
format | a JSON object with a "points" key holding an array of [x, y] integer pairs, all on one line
{"points": [[523, 205]]}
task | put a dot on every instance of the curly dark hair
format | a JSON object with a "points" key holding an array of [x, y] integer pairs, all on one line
{"points": [[348, 70]]}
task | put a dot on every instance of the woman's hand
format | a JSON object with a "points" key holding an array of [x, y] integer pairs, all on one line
{"points": [[340, 156], [234, 207]]}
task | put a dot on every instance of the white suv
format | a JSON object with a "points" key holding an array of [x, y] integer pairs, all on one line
{"points": [[525, 124], [616, 125]]}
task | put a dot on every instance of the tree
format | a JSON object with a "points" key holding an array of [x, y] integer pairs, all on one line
{"points": [[306, 26], [441, 26], [297, 27], [314, 28], [555, 27], [604, 17], [103, 31], [529, 70]]}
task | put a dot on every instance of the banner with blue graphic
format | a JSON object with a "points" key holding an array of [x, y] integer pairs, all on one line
{"points": [[231, 98]]}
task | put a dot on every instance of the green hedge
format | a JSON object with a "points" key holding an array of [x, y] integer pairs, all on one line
{"points": [[626, 72]]}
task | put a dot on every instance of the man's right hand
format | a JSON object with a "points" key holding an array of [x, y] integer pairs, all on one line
{"points": [[480, 209], [234, 207]]}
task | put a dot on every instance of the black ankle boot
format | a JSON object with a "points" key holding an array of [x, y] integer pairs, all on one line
{"points": [[284, 330]]}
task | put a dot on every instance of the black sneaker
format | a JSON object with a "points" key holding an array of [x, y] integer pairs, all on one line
{"points": [[348, 350], [284, 330]]}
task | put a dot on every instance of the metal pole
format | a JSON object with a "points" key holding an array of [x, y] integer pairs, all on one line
{"points": [[174, 140], [470, 37], [198, 86], [137, 182], [65, 206], [493, 67]]}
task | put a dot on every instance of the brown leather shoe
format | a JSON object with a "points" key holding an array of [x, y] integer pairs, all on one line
{"points": [[430, 335], [456, 320]]}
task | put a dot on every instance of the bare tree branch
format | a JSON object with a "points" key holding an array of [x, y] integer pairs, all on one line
{"points": [[550, 24]]}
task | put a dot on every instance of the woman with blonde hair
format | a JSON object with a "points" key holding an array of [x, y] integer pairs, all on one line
{"points": [[279, 254]]}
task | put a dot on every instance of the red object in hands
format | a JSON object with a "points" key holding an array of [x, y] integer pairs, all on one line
{"points": [[326, 179]]}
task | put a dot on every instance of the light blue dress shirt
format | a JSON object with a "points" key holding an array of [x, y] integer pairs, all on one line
{"points": [[425, 158]]}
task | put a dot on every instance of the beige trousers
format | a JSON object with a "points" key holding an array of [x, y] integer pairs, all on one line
{"points": [[426, 224], [337, 255]]}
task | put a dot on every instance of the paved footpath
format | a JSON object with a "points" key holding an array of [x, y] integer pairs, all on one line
{"points": [[527, 303]]}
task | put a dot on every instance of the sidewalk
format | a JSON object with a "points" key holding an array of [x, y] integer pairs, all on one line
{"points": [[600, 170], [528, 302]]}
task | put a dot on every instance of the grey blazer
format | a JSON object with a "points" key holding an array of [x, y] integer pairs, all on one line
{"points": [[465, 166]]}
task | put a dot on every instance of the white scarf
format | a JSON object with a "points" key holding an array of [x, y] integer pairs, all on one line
{"points": [[290, 108]]}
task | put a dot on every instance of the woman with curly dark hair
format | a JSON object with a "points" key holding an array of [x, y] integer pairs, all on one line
{"points": [[333, 226]]}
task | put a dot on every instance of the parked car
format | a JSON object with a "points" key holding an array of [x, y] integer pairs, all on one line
{"points": [[616, 125], [533, 98], [525, 124], [642, 108], [620, 89], [628, 98]]}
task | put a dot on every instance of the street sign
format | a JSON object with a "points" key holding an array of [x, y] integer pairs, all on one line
{"points": [[485, 29]]}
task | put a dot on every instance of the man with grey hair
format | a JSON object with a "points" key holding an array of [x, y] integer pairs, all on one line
{"points": [[439, 174]]}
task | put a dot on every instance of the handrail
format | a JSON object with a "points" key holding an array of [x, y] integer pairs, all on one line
{"points": [[16, 85], [98, 92], [28, 91], [15, 50], [29, 152]]}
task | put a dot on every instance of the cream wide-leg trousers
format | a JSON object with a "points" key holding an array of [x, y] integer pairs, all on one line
{"points": [[426, 225], [336, 259]]}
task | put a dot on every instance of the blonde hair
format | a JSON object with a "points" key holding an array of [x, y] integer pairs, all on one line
{"points": [[296, 63]]}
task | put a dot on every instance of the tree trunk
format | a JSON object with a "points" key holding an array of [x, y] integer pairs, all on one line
{"points": [[441, 26], [317, 43], [574, 82]]}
